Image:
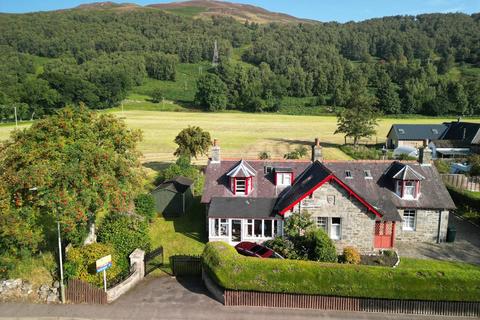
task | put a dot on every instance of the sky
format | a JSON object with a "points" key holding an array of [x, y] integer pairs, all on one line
{"points": [[322, 10]]}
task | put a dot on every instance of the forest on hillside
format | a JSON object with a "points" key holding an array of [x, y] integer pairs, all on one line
{"points": [[427, 64]]}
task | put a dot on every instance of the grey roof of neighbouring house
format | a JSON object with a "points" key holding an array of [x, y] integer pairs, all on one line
{"points": [[178, 185], [418, 131], [242, 207], [467, 132]]}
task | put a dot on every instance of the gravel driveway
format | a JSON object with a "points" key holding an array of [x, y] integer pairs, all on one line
{"points": [[466, 247]]}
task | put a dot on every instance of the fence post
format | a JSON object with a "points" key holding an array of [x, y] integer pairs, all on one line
{"points": [[136, 259]]}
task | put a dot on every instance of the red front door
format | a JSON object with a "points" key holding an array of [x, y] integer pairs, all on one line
{"points": [[384, 234]]}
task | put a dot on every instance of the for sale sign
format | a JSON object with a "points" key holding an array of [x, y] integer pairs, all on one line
{"points": [[104, 263]]}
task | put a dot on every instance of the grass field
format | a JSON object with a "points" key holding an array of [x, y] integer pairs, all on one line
{"points": [[243, 134]]}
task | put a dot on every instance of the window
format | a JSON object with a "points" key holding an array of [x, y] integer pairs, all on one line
{"points": [[250, 228], [409, 190], [335, 232], [267, 225], [401, 131], [367, 174], [284, 179], [409, 220], [257, 228], [215, 226], [240, 186], [322, 223], [348, 174], [223, 227], [267, 169]]}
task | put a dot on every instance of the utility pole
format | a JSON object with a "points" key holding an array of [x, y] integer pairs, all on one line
{"points": [[215, 54], [62, 285], [16, 120]]}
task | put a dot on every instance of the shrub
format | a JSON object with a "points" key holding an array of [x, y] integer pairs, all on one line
{"points": [[474, 161], [389, 253], [298, 153], [80, 263], [298, 225], [413, 279], [321, 247], [351, 255], [157, 96], [125, 233], [145, 206], [183, 167], [264, 155], [282, 246], [442, 166], [37, 269]]}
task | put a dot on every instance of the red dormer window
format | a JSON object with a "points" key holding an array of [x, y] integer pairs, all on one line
{"points": [[241, 178], [408, 189]]}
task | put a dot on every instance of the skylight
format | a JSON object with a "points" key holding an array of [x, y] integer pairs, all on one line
{"points": [[348, 174], [435, 131], [368, 174], [401, 131]]}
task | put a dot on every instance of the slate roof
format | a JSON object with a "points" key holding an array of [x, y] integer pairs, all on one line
{"points": [[242, 207], [377, 190], [465, 131], [401, 171], [179, 185], [418, 131], [451, 144], [217, 182], [241, 170]]}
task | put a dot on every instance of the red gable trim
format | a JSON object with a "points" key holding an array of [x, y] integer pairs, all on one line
{"points": [[343, 185]]}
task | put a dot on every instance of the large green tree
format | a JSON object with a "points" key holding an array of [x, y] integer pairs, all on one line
{"points": [[211, 93], [192, 142], [359, 118], [77, 163]]}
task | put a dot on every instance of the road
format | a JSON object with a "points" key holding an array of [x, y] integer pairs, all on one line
{"points": [[167, 298]]}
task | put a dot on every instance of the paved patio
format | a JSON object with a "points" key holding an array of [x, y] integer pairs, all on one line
{"points": [[465, 248]]}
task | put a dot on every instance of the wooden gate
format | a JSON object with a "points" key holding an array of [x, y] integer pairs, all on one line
{"points": [[384, 234], [78, 291]]}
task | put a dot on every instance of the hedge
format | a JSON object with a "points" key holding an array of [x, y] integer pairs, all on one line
{"points": [[413, 279]]}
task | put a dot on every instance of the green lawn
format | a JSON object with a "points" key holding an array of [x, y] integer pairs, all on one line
{"points": [[242, 134], [183, 235]]}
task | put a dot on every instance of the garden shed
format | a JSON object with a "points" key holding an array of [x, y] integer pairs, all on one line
{"points": [[173, 197]]}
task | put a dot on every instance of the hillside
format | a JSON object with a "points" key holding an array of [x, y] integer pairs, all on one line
{"points": [[203, 9], [241, 12]]}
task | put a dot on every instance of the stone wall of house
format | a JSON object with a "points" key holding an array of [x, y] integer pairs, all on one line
{"points": [[410, 143], [357, 225], [426, 227]]}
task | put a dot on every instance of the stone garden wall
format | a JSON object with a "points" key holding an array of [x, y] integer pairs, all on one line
{"points": [[19, 290]]}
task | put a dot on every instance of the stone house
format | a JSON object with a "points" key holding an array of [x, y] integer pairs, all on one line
{"points": [[366, 204]]}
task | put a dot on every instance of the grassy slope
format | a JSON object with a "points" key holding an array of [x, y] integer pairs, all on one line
{"points": [[413, 279]]}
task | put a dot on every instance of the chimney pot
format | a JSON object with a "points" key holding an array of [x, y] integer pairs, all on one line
{"points": [[215, 142], [317, 142], [317, 151]]}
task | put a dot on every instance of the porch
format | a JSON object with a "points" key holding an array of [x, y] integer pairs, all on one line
{"points": [[236, 230]]}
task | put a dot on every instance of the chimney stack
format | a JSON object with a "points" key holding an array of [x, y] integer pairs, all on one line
{"points": [[317, 151], [425, 154], [215, 152]]}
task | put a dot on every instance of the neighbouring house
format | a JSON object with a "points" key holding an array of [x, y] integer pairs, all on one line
{"points": [[448, 140], [173, 197], [366, 204], [413, 135]]}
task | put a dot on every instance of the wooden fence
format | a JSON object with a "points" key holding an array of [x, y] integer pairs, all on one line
{"points": [[462, 182], [78, 291], [285, 300], [186, 265]]}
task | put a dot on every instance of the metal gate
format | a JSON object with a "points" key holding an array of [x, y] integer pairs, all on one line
{"points": [[153, 260], [384, 234], [183, 265]]}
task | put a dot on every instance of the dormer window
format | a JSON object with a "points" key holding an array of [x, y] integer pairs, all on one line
{"points": [[408, 189], [283, 177], [241, 178]]}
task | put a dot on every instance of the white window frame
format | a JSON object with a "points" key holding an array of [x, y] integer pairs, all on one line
{"points": [[284, 179], [336, 226], [322, 223], [237, 190], [409, 219], [412, 188], [226, 224]]}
